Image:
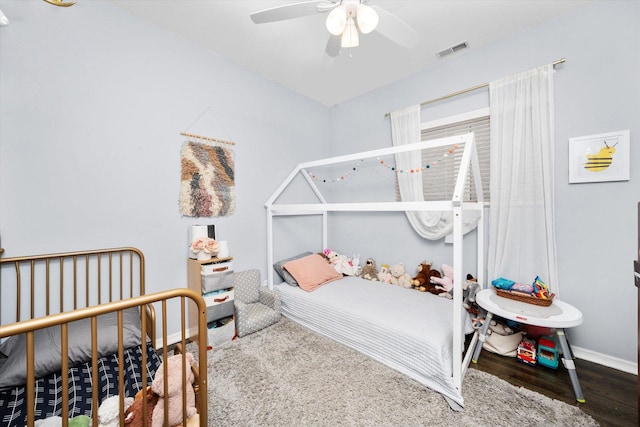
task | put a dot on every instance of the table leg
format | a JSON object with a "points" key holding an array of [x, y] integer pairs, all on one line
{"points": [[567, 360], [482, 337]]}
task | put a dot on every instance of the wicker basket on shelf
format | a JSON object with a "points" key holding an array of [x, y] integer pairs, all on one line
{"points": [[529, 299]]}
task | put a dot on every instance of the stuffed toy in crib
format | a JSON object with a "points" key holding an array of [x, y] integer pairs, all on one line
{"points": [[174, 391], [109, 411], [133, 415]]}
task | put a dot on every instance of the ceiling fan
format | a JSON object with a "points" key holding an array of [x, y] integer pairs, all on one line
{"points": [[346, 19]]}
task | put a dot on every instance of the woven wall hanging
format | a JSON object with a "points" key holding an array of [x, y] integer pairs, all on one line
{"points": [[207, 187]]}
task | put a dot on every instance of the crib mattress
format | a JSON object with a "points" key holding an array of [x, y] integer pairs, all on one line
{"points": [[407, 330], [48, 389]]}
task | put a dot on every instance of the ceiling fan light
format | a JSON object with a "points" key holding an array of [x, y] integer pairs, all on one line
{"points": [[367, 18], [336, 20], [350, 35]]}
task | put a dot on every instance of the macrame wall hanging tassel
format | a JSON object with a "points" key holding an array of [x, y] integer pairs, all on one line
{"points": [[207, 185]]}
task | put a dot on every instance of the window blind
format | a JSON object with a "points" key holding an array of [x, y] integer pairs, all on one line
{"points": [[439, 179]]}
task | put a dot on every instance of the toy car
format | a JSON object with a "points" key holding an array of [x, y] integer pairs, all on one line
{"points": [[526, 351], [548, 352]]}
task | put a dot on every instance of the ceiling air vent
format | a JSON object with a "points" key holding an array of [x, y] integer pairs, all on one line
{"points": [[453, 49]]}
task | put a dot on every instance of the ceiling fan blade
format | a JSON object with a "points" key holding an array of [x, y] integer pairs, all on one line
{"points": [[333, 46], [289, 11], [395, 29]]}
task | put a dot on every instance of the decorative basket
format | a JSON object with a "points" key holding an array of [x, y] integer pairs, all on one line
{"points": [[529, 299]]}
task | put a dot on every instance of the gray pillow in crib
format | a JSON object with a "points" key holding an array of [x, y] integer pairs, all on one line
{"points": [[282, 272], [48, 345]]}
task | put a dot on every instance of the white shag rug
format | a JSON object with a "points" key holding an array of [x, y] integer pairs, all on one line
{"points": [[288, 375]]}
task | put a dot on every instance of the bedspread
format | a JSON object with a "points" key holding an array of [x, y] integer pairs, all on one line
{"points": [[407, 330]]}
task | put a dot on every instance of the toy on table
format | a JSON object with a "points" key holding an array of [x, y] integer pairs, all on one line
{"points": [[502, 283], [540, 289], [548, 352], [527, 351]]}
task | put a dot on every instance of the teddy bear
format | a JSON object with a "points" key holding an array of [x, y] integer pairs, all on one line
{"points": [[384, 275], [422, 281], [174, 369], [369, 270], [109, 411], [133, 415], [446, 282], [399, 277]]}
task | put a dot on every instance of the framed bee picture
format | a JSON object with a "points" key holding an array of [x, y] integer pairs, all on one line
{"points": [[599, 158]]}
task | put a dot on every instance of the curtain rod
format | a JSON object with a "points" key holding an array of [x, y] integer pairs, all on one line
{"points": [[471, 89]]}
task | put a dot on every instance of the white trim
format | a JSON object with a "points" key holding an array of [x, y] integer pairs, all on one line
{"points": [[604, 360], [469, 115]]}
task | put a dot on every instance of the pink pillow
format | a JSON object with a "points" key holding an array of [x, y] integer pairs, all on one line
{"points": [[312, 272]]}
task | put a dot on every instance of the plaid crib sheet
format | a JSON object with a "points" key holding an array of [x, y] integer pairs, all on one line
{"points": [[48, 399]]}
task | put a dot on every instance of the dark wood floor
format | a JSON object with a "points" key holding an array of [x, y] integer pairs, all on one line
{"points": [[611, 395]]}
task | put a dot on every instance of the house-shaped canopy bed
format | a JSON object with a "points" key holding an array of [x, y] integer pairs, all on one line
{"points": [[416, 333]]}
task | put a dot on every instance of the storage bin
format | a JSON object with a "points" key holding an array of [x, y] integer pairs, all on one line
{"points": [[221, 331], [220, 310], [216, 276]]}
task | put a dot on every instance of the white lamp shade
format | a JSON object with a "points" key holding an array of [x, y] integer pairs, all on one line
{"points": [[350, 35], [336, 20], [367, 18]]}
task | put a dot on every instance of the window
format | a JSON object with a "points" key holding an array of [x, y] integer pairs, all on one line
{"points": [[439, 180]]}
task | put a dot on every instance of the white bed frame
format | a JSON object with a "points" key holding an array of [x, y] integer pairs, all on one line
{"points": [[456, 205]]}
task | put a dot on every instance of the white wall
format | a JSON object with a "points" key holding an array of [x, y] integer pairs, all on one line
{"points": [[597, 90], [92, 104]]}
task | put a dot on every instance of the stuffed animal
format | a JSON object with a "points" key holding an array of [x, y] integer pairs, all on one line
{"points": [[384, 275], [369, 270], [422, 281], [355, 264], [109, 411], [445, 283], [469, 290], [399, 277], [174, 391], [133, 415], [341, 263]]}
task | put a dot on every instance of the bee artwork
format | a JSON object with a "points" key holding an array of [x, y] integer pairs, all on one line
{"points": [[602, 160]]}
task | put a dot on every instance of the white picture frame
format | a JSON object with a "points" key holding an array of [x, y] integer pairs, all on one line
{"points": [[599, 158]]}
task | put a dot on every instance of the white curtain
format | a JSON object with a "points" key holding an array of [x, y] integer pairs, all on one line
{"points": [[521, 219], [432, 225]]}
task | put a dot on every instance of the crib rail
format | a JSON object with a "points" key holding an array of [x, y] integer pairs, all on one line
{"points": [[183, 296], [70, 280]]}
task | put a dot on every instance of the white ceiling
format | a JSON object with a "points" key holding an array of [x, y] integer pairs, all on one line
{"points": [[292, 52]]}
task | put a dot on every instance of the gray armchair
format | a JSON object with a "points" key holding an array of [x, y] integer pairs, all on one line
{"points": [[256, 306]]}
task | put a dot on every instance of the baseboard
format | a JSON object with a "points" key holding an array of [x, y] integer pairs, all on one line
{"points": [[173, 338], [605, 360]]}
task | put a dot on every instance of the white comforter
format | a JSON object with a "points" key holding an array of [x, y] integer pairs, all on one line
{"points": [[407, 330]]}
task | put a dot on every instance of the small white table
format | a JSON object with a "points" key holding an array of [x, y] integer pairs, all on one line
{"points": [[558, 316]]}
